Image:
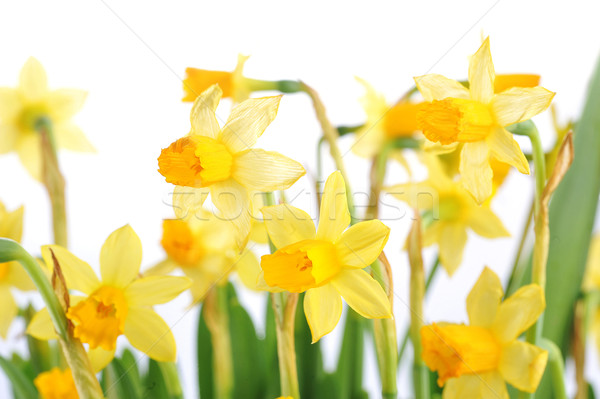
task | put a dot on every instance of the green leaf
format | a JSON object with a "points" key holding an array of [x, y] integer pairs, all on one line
{"points": [[273, 387], [22, 386], [309, 359], [119, 381], [572, 214], [205, 358], [155, 385], [350, 363]]}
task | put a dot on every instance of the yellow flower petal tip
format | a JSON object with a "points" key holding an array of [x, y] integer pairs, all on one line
{"points": [[489, 345], [326, 262], [478, 116], [56, 384], [233, 84], [22, 109]]}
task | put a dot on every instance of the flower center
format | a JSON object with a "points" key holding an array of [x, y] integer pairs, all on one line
{"points": [[30, 116], [451, 207], [100, 318], [455, 120], [300, 266], [195, 161], [453, 350], [4, 270], [180, 244]]}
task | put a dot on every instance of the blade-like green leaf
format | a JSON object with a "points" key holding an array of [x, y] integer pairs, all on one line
{"points": [[155, 385], [118, 381], [308, 357], [204, 355], [350, 363], [22, 386]]}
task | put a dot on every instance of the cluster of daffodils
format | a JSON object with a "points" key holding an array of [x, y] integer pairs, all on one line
{"points": [[232, 229]]}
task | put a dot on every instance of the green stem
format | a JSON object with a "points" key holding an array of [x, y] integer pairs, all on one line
{"points": [[284, 86], [284, 305], [53, 181], [518, 269], [85, 379], [556, 368], [222, 355]]}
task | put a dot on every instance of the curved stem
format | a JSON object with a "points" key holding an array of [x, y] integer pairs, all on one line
{"points": [[217, 321], [556, 368]]}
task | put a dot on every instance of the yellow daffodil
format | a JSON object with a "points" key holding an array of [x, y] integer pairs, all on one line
{"points": [[12, 274], [507, 81], [119, 304], [206, 251], [476, 361], [222, 161], [452, 211], [325, 263], [233, 83], [23, 107], [477, 117], [56, 384], [384, 122]]}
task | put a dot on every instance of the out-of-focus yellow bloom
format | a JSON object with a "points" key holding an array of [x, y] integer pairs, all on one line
{"points": [[206, 251], [56, 384], [325, 263], [120, 303], [233, 83], [222, 161], [591, 280], [23, 107], [452, 210], [384, 122], [477, 117], [477, 360], [12, 274]]}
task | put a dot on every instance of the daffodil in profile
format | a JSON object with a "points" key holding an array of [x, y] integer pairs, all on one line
{"points": [[477, 117], [476, 361], [23, 107], [327, 262], [56, 384], [206, 251], [12, 274], [223, 162], [384, 122], [233, 84], [450, 212], [118, 304]]}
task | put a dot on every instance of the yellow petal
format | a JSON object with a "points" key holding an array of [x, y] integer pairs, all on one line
{"points": [[520, 104], [78, 274], [438, 87], [453, 238], [362, 243], [484, 299], [70, 137], [41, 326], [506, 81], [33, 83], [287, 224], [233, 201], [248, 269], [421, 196], [17, 277], [431, 234], [519, 312], [64, 103], [262, 170], [10, 104], [9, 310], [370, 138], [149, 333], [188, 201], [29, 149], [334, 216], [481, 74], [504, 147], [100, 358], [475, 171], [323, 309], [476, 386], [153, 290], [203, 118], [241, 91], [161, 268], [8, 138], [248, 121], [121, 257], [522, 365], [363, 294], [12, 224], [486, 224]]}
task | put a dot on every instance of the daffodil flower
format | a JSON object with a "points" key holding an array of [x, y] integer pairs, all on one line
{"points": [[476, 361], [206, 251], [222, 162], [12, 274], [477, 117], [384, 122], [233, 83], [119, 304], [326, 263], [23, 107], [56, 384], [453, 212]]}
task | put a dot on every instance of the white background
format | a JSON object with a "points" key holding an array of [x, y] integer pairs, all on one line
{"points": [[130, 56]]}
